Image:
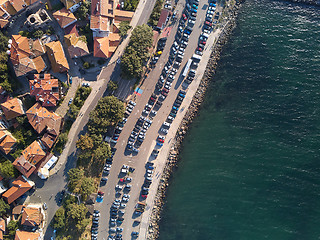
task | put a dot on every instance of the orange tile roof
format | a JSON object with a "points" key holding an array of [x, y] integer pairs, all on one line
{"points": [[7, 6], [29, 158], [64, 17], [20, 187], [121, 15], [25, 55], [41, 118], [31, 217], [104, 47], [19, 49], [99, 22], [12, 108], [48, 140], [45, 89], [102, 8], [3, 22], [1, 235], [57, 57], [23, 235], [2, 225], [7, 143], [76, 46], [101, 47], [18, 4]]}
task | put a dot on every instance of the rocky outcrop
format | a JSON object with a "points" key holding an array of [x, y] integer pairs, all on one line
{"points": [[173, 157]]}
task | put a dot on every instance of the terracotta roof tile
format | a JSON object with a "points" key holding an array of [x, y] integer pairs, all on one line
{"points": [[48, 140], [12, 108], [45, 89], [29, 158], [31, 217], [2, 225], [40, 118], [105, 47], [23, 235], [57, 57], [20, 186], [64, 17]]}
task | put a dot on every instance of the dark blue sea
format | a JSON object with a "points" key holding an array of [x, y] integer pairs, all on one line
{"points": [[250, 165]]}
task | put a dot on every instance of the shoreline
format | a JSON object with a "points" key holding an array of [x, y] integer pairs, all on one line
{"points": [[192, 111]]}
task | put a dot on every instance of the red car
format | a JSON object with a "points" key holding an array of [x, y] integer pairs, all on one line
{"points": [[144, 196], [184, 17], [199, 49], [122, 180], [160, 140], [101, 193], [203, 42], [208, 23]]}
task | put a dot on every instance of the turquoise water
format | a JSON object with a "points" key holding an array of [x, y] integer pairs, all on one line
{"points": [[250, 165]]}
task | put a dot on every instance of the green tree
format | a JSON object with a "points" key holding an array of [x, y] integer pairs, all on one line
{"points": [[131, 64], [86, 65], [102, 152], [108, 111], [155, 15], [112, 86], [6, 86], [75, 179], [83, 10], [124, 26], [85, 142], [12, 228], [62, 140], [141, 40], [73, 111], [4, 207], [7, 169], [59, 218], [38, 34], [87, 187], [77, 213]]}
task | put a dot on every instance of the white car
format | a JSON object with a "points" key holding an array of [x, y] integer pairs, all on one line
{"points": [[119, 187], [132, 103], [124, 170], [162, 137], [166, 124], [154, 112], [164, 130]]}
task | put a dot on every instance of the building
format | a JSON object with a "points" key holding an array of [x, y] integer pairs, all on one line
{"points": [[26, 55], [23, 235], [163, 19], [9, 8], [42, 119], [104, 23], [45, 89], [19, 187], [32, 217], [2, 228], [7, 141], [77, 46], [104, 47], [30, 158], [72, 5], [12, 108], [57, 57], [64, 17]]}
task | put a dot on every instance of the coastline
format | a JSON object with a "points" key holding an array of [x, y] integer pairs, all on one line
{"points": [[192, 111]]}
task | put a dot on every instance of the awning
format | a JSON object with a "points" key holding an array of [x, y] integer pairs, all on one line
{"points": [[43, 173], [51, 162]]}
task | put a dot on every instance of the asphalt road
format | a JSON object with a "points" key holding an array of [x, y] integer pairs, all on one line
{"points": [[138, 161], [49, 191]]}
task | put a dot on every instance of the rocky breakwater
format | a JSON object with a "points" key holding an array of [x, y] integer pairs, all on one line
{"points": [[173, 156]]}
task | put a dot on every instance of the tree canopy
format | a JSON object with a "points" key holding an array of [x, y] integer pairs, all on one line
{"points": [[137, 51], [7, 169], [85, 142], [79, 184], [4, 207], [59, 218], [124, 26], [108, 111]]}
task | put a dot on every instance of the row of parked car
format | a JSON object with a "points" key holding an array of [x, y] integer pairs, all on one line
{"points": [[95, 225], [210, 21], [117, 209], [148, 180]]}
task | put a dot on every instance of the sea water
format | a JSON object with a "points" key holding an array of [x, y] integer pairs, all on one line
{"points": [[250, 164]]}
